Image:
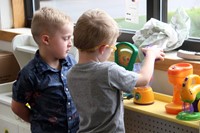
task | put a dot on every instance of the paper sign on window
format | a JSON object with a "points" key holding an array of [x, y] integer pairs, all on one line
{"points": [[132, 11]]}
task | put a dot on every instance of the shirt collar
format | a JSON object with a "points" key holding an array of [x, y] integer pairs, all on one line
{"points": [[43, 66]]}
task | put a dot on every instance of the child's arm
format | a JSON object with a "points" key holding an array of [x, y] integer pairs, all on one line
{"points": [[21, 110], [151, 54]]}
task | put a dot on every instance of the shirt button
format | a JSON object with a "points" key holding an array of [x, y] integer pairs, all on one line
{"points": [[70, 118], [69, 103]]}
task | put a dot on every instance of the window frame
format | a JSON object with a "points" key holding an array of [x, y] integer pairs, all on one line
{"points": [[30, 6]]}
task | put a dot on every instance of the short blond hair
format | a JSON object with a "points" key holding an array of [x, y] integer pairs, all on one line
{"points": [[95, 27], [48, 20]]}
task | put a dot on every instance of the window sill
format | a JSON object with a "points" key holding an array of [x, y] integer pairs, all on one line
{"points": [[171, 58]]}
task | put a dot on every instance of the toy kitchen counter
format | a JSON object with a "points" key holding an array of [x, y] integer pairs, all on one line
{"points": [[153, 118]]}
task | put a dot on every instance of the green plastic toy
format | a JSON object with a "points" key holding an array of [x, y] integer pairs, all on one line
{"points": [[188, 116], [126, 55]]}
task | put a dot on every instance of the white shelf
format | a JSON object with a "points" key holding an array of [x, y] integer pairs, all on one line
{"points": [[27, 49]]}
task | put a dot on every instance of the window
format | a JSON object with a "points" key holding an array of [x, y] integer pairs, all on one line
{"points": [[159, 9], [116, 8], [192, 8]]}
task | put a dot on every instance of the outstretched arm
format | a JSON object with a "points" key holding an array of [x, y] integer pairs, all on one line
{"points": [[146, 72]]}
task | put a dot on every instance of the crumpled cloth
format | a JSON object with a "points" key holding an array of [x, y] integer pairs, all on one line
{"points": [[166, 36]]}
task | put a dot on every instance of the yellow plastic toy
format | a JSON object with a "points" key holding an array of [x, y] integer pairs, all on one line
{"points": [[189, 93]]}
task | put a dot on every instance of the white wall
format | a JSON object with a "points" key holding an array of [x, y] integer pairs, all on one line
{"points": [[160, 83], [6, 46], [6, 17]]}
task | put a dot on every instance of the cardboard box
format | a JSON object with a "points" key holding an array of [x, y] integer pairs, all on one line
{"points": [[9, 67]]}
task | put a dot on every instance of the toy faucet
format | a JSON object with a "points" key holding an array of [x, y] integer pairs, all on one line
{"points": [[190, 93], [176, 76]]}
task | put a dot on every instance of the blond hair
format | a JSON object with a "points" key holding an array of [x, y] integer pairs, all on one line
{"points": [[95, 27], [48, 20]]}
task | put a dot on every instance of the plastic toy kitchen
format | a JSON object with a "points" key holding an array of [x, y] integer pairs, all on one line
{"points": [[177, 113], [24, 48]]}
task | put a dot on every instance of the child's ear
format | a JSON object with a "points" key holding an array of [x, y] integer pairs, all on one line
{"points": [[102, 49], [45, 39]]}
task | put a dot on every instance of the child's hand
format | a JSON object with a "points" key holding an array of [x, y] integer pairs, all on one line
{"points": [[157, 53]]}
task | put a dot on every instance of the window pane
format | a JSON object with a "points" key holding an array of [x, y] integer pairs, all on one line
{"points": [[192, 8], [116, 8]]}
